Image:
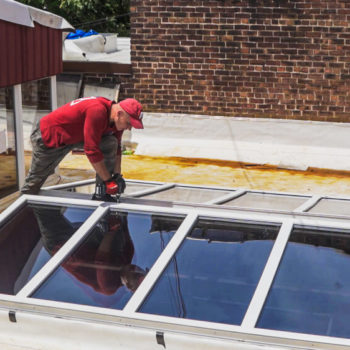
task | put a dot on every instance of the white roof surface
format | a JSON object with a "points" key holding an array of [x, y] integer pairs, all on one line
{"points": [[15, 12]]}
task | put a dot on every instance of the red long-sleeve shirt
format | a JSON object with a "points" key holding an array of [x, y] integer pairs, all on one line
{"points": [[84, 120]]}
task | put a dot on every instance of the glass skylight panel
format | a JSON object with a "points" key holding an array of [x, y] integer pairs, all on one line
{"points": [[332, 207], [311, 290], [267, 201], [214, 273], [31, 237], [112, 261], [186, 194]]}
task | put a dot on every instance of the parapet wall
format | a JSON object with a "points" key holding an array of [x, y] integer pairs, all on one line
{"points": [[285, 59]]}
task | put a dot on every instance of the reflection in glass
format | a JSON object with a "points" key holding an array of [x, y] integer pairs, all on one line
{"points": [[26, 243], [68, 88], [184, 194], [8, 166], [214, 273], [311, 291], [267, 201], [112, 262], [36, 103]]}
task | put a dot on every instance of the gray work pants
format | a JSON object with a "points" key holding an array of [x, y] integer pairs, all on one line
{"points": [[45, 160]]}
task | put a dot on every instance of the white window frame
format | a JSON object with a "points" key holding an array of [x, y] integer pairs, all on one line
{"points": [[129, 314]]}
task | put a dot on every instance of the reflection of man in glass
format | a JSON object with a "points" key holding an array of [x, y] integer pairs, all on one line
{"points": [[103, 260]]}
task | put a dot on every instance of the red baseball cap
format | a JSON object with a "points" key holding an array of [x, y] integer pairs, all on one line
{"points": [[134, 109]]}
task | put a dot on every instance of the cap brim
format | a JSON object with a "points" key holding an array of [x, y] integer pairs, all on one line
{"points": [[135, 123]]}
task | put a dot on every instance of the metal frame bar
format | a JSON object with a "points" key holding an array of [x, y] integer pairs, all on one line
{"points": [[161, 263], [308, 204], [152, 190], [227, 197], [61, 201], [267, 277], [53, 92], [91, 181], [69, 185], [15, 206], [18, 115]]}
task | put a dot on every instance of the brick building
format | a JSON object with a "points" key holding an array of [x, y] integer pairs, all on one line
{"points": [[286, 59]]}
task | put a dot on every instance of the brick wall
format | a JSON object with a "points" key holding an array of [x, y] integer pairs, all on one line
{"points": [[255, 58]]}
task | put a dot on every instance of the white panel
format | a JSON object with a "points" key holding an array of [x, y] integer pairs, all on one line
{"points": [[19, 134]]}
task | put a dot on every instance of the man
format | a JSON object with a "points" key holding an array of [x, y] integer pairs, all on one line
{"points": [[94, 123]]}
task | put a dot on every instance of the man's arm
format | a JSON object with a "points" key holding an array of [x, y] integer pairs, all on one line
{"points": [[117, 166], [101, 170]]}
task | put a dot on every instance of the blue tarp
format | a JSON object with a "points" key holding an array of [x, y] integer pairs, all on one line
{"points": [[79, 33]]}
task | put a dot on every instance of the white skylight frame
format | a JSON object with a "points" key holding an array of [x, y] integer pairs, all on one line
{"points": [[310, 200], [247, 330]]}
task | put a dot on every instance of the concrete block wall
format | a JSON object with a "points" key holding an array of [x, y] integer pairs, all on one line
{"points": [[286, 59]]}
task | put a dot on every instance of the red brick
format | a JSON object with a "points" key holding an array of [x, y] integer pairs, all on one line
{"points": [[200, 59]]}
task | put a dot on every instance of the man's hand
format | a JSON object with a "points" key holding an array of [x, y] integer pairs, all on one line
{"points": [[111, 186], [119, 180]]}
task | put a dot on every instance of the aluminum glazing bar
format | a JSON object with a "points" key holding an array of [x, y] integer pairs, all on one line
{"points": [[226, 197], [152, 190], [62, 201], [161, 263], [66, 249], [19, 139], [267, 276], [70, 184], [15, 206], [307, 205]]}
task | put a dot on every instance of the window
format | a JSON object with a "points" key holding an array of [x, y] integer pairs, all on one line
{"points": [[214, 273], [111, 263], [311, 291], [29, 239]]}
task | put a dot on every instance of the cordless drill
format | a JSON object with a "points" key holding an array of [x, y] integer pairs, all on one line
{"points": [[114, 186]]}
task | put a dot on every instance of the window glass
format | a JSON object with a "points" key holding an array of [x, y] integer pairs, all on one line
{"points": [[215, 272], [31, 237], [36, 103], [184, 194], [111, 263], [332, 207], [267, 201], [8, 165], [68, 88], [311, 291]]}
